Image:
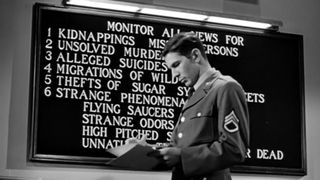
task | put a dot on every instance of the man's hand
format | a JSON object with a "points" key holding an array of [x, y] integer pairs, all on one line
{"points": [[141, 141], [171, 155]]}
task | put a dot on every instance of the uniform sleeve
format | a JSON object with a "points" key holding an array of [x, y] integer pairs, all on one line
{"points": [[233, 135]]}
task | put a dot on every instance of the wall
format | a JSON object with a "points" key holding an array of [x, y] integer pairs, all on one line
{"points": [[299, 17]]}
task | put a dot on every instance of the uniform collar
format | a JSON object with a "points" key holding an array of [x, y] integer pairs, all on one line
{"points": [[207, 80], [204, 77]]}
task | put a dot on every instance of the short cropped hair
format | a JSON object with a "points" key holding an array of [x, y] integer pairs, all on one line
{"points": [[183, 43]]}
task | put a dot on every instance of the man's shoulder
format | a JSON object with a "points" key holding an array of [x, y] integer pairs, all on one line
{"points": [[223, 82]]}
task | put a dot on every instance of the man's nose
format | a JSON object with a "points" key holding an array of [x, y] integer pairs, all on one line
{"points": [[175, 74]]}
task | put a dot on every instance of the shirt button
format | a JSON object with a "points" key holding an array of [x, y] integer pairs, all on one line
{"points": [[199, 114], [180, 135], [183, 119]]}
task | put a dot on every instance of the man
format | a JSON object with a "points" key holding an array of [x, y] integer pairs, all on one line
{"points": [[212, 132]]}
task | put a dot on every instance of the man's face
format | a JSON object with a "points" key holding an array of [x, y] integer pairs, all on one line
{"points": [[183, 68]]}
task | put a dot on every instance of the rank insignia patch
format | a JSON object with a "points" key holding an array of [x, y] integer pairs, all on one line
{"points": [[231, 122]]}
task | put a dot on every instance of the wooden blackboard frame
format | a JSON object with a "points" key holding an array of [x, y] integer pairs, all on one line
{"points": [[33, 155]]}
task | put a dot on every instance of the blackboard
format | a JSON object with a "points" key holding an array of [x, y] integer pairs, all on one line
{"points": [[98, 78]]}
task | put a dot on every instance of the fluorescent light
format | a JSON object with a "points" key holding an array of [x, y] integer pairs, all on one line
{"points": [[175, 14], [238, 22], [200, 17], [103, 5], [111, 5]]}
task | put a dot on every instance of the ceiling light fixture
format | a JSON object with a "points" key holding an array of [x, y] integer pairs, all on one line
{"points": [[177, 13]]}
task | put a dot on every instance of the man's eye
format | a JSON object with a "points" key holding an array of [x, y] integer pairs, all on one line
{"points": [[175, 64]]}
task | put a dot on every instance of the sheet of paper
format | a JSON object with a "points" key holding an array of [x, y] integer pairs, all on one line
{"points": [[120, 150], [136, 157]]}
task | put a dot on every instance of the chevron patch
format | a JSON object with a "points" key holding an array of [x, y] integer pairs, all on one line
{"points": [[231, 122]]}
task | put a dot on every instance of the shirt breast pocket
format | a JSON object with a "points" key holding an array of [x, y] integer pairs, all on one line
{"points": [[203, 129]]}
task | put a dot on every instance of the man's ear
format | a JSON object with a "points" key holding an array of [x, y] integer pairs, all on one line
{"points": [[195, 55]]}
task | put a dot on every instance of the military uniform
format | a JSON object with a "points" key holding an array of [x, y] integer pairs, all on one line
{"points": [[212, 130]]}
